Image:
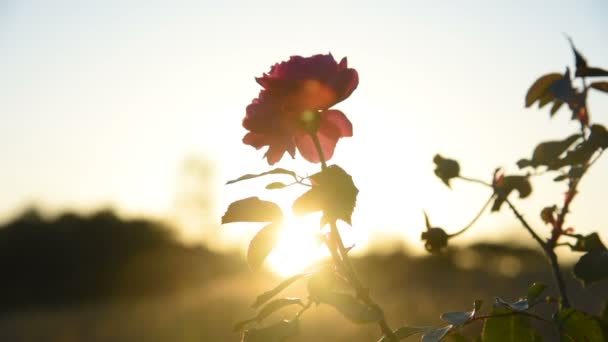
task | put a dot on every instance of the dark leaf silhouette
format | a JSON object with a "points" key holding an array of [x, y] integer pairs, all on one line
{"points": [[333, 192], [547, 153], [588, 243], [262, 244], [350, 307], [548, 214], [321, 282], [276, 305], [446, 169], [277, 171], [575, 172], [266, 296], [582, 69], [557, 104], [277, 332], [407, 331], [506, 185], [540, 88], [578, 326], [508, 327], [592, 267], [268, 309], [252, 209], [598, 139], [275, 185], [602, 86], [562, 88]]}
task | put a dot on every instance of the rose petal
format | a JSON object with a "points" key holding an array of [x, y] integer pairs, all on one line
{"points": [[275, 152], [338, 120], [307, 148], [256, 140]]}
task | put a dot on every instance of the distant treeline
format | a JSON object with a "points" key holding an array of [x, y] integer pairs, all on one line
{"points": [[74, 258]]}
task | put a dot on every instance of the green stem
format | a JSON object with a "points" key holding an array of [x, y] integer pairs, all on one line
{"points": [[474, 219], [340, 257]]}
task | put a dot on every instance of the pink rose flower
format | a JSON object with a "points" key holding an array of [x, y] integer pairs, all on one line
{"points": [[296, 102]]}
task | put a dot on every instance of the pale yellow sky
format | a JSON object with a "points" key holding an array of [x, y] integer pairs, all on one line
{"points": [[101, 101]]}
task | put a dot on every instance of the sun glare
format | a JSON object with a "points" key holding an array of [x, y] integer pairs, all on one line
{"points": [[298, 247]]}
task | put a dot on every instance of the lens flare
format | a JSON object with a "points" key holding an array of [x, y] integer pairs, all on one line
{"points": [[299, 247]]}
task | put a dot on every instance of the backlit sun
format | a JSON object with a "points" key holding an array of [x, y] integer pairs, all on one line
{"points": [[299, 246]]}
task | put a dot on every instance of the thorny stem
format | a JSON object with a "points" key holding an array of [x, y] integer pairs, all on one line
{"points": [[526, 225], [340, 256], [547, 247]]}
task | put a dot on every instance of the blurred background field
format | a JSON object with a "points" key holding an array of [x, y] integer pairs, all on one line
{"points": [[102, 278], [136, 106]]}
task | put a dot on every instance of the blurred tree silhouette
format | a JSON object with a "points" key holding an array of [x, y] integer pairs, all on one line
{"points": [[194, 206], [74, 258]]}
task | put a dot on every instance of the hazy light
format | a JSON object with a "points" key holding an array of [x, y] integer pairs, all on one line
{"points": [[298, 248]]}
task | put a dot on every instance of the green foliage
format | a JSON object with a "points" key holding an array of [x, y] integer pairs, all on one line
{"points": [[277, 332], [262, 244], [520, 305], [598, 140], [588, 243], [582, 69], [508, 326], [333, 192], [601, 86], [578, 326], [277, 171], [407, 331], [268, 309], [459, 318], [540, 89], [436, 335], [266, 296], [592, 267], [535, 291], [506, 185], [350, 307], [275, 186], [252, 209], [547, 153]]}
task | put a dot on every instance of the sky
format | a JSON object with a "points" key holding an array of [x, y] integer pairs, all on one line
{"points": [[101, 101]]}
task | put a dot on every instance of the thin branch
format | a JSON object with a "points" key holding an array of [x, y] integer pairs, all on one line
{"points": [[485, 206], [549, 252], [474, 180], [526, 225], [304, 308], [507, 314], [559, 278]]}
